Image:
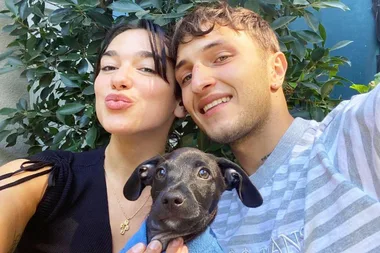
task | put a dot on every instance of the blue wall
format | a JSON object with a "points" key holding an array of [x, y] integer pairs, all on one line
{"points": [[357, 25]]}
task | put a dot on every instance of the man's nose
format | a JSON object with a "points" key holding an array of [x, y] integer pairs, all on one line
{"points": [[202, 78], [122, 79]]}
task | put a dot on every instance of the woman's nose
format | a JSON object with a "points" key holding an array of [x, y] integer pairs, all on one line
{"points": [[121, 79]]}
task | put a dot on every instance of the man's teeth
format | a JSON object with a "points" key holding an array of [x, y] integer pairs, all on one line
{"points": [[215, 103]]}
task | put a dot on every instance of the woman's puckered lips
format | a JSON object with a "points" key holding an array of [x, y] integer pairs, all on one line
{"points": [[117, 102]]}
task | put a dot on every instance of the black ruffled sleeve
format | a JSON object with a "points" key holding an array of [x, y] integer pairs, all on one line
{"points": [[59, 182]]}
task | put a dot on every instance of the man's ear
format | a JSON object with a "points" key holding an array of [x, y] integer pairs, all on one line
{"points": [[141, 177], [180, 110], [278, 65]]}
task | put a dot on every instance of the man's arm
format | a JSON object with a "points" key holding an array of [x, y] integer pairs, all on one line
{"points": [[18, 204]]}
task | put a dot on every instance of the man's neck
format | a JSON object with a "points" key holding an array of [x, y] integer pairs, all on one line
{"points": [[254, 149]]}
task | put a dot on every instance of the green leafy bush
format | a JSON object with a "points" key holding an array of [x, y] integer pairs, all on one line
{"points": [[57, 46]]}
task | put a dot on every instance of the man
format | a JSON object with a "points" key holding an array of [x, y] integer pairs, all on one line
{"points": [[320, 181]]}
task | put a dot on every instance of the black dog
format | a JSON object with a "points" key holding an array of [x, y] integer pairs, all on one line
{"points": [[186, 187]]}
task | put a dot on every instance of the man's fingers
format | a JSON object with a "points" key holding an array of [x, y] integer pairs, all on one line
{"points": [[177, 246], [154, 247], [138, 248]]}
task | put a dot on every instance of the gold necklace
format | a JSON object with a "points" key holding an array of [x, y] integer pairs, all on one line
{"points": [[124, 226]]}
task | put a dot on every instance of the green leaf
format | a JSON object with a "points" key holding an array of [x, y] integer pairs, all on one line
{"points": [[141, 14], [322, 32], [72, 108], [125, 6], [11, 6], [91, 136], [24, 10], [4, 123], [57, 16], [62, 2], [184, 7], [70, 57], [11, 139], [298, 49], [22, 104], [10, 28], [68, 83], [332, 4], [38, 11], [253, 5], [7, 69], [272, 2], [360, 88], [312, 86], [301, 2], [59, 137], [311, 20], [15, 61], [6, 54], [317, 54], [89, 3], [4, 134], [340, 44], [89, 90], [328, 86], [46, 79], [84, 120], [101, 19], [282, 21], [82, 67], [309, 36], [7, 111]]}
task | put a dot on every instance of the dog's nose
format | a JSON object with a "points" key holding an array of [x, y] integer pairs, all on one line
{"points": [[173, 199]]}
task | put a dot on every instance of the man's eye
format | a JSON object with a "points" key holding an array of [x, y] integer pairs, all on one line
{"points": [[186, 79], [148, 70], [108, 68], [222, 58]]}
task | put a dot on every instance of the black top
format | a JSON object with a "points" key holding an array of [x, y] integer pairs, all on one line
{"points": [[73, 214]]}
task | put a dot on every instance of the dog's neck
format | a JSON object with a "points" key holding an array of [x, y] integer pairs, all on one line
{"points": [[155, 232]]}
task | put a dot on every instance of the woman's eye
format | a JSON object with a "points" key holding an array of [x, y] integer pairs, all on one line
{"points": [[186, 79], [161, 173], [204, 173], [108, 68], [148, 70], [222, 58]]}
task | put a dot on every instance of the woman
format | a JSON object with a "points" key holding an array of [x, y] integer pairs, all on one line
{"points": [[74, 202]]}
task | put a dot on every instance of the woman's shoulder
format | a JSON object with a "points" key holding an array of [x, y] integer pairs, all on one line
{"points": [[84, 158]]}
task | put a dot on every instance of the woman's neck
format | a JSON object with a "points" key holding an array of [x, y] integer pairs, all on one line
{"points": [[124, 153]]}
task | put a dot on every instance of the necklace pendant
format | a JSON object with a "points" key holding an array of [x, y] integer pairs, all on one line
{"points": [[124, 226]]}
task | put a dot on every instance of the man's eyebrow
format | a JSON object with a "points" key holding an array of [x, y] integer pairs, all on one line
{"points": [[205, 48]]}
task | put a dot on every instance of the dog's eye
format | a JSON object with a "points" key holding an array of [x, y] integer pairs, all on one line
{"points": [[160, 173], [203, 173]]}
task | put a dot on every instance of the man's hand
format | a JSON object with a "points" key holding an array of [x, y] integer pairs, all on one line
{"points": [[175, 246]]}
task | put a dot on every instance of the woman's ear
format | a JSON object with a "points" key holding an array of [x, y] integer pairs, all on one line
{"points": [[180, 110]]}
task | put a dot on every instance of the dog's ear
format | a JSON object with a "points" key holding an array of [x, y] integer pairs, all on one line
{"points": [[235, 177], [141, 177]]}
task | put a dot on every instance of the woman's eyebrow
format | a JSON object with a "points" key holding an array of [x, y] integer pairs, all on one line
{"points": [[110, 53], [144, 54], [139, 54]]}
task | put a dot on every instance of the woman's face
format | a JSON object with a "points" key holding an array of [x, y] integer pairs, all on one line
{"points": [[130, 97]]}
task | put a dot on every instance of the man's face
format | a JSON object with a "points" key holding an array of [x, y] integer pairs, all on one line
{"points": [[224, 77]]}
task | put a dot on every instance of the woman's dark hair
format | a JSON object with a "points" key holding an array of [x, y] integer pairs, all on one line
{"points": [[159, 43]]}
